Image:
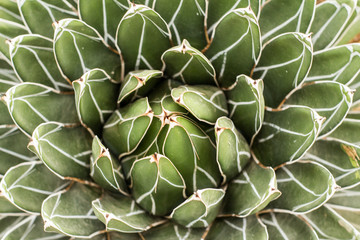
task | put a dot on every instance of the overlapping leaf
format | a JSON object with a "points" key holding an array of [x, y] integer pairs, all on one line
{"points": [[235, 46], [8, 77], [50, 142], [286, 135], [38, 15], [173, 231], [284, 63], [251, 191], [121, 214], [70, 212], [27, 185], [76, 44], [347, 132], [352, 28], [39, 103]]}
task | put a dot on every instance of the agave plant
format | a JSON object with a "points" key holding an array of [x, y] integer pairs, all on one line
{"points": [[183, 119]]}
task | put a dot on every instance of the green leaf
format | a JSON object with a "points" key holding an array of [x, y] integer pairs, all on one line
{"points": [[236, 45], [344, 70], [174, 232], [121, 214], [347, 132], [330, 225], [246, 105], [142, 37], [127, 126], [50, 142], [76, 44], [200, 209], [249, 228], [251, 191], [191, 151], [218, 9], [352, 28], [9, 10], [138, 84], [8, 209], [287, 226], [38, 15], [122, 236], [105, 168], [330, 19], [95, 96], [340, 159], [286, 135], [299, 193], [9, 30], [284, 63], [345, 203], [187, 64], [185, 19], [206, 103], [39, 102], [29, 227], [156, 184], [281, 16], [70, 212], [232, 150], [331, 100], [32, 57], [28, 184], [104, 16], [8, 77]]}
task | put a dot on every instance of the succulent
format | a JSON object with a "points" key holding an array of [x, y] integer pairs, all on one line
{"points": [[183, 119]]}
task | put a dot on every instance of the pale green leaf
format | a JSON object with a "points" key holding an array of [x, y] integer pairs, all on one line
{"points": [[172, 231]]}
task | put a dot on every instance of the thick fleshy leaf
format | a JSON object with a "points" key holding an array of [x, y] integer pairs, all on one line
{"points": [[106, 169], [344, 70], [185, 19], [104, 16], [39, 15], [330, 19], [142, 36], [286, 135], [127, 126], [8, 77], [287, 226], [9, 10], [121, 214], [187, 64], [352, 28], [29, 227], [251, 191], [191, 151], [39, 102], [156, 184], [232, 150], [249, 228], [246, 105], [76, 44], [70, 212], [27, 185], [236, 45], [9, 30], [9, 209], [281, 16], [346, 203], [299, 193], [347, 132], [200, 209], [206, 103], [138, 84], [218, 9], [121, 236], [173, 232], [50, 142], [331, 100], [340, 159], [33, 60], [95, 96], [330, 225], [12, 143], [284, 63]]}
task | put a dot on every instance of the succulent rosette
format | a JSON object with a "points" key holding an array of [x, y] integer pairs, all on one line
{"points": [[183, 119]]}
